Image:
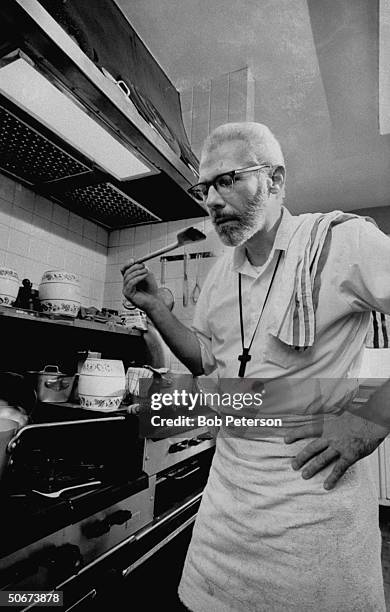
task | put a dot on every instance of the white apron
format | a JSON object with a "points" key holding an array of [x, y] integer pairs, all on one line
{"points": [[267, 540]]}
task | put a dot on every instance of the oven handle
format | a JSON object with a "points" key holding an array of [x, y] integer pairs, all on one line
{"points": [[157, 547], [174, 477], [91, 594], [133, 538]]}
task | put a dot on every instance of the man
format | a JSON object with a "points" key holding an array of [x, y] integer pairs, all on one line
{"points": [[291, 301]]}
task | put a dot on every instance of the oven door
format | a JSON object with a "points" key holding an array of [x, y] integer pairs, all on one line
{"points": [[153, 556]]}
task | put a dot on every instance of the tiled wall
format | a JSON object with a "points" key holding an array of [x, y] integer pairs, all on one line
{"points": [[138, 241], [38, 235], [205, 105]]}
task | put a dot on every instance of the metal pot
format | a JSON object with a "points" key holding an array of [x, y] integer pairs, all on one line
{"points": [[52, 385]]}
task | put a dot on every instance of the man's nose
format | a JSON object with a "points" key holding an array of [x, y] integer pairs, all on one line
{"points": [[214, 199]]}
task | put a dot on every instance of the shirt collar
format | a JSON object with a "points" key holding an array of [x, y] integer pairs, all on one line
{"points": [[286, 228]]}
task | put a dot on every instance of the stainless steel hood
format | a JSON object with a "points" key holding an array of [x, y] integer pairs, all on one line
{"points": [[133, 163]]}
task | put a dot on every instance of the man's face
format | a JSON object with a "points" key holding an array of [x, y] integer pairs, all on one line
{"points": [[242, 212]]}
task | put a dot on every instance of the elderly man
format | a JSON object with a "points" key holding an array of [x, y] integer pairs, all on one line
{"points": [[291, 300]]}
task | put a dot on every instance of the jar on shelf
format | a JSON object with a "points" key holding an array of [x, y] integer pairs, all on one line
{"points": [[102, 384]]}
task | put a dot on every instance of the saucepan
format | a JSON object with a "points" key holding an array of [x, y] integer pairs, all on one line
{"points": [[52, 385]]}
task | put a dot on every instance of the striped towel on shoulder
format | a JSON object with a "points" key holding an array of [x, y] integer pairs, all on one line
{"points": [[304, 261]]}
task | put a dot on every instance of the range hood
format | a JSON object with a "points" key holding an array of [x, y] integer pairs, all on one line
{"points": [[87, 116]]}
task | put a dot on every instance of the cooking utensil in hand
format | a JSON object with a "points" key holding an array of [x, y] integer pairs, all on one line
{"points": [[196, 290], [164, 292], [55, 494], [185, 280], [191, 234]]}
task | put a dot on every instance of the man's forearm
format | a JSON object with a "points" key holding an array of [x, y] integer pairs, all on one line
{"points": [[180, 339], [377, 408]]}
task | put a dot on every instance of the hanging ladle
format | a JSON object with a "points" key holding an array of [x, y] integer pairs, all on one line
{"points": [[196, 290], [191, 234]]}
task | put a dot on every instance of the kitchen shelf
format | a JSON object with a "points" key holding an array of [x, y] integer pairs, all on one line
{"points": [[108, 327], [30, 342]]}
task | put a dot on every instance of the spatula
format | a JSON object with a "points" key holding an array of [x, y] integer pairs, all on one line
{"points": [[191, 234]]}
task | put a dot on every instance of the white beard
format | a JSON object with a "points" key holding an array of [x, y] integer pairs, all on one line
{"points": [[248, 222]]}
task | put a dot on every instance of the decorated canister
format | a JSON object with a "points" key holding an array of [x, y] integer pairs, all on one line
{"points": [[102, 384], [9, 286], [59, 293]]}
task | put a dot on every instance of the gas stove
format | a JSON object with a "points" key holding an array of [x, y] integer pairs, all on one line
{"points": [[85, 497]]}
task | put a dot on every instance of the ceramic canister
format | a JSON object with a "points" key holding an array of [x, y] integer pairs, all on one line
{"points": [[59, 293], [102, 384], [9, 286]]}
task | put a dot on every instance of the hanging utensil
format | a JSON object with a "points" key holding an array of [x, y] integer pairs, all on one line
{"points": [[164, 292], [185, 280], [191, 234], [196, 290]]}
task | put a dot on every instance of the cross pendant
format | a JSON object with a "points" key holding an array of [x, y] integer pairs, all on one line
{"points": [[243, 359]]}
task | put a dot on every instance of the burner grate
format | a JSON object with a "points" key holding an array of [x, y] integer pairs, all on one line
{"points": [[107, 204], [29, 156]]}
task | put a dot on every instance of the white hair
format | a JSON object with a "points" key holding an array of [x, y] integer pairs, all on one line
{"points": [[258, 137]]}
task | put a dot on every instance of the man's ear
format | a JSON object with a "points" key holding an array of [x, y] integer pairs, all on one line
{"points": [[278, 178]]}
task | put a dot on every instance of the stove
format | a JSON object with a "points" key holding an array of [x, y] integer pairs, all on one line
{"points": [[86, 500]]}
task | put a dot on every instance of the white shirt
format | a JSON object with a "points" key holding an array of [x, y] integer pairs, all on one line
{"points": [[355, 280]]}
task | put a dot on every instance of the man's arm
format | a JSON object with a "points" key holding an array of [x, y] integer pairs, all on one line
{"points": [[343, 439], [140, 287], [356, 433]]}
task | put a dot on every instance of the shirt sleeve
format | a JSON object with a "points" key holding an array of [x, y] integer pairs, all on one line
{"points": [[200, 325], [365, 272]]}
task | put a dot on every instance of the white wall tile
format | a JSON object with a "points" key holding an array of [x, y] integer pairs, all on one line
{"points": [[60, 215], [158, 234], [4, 235], [75, 223], [73, 262], [113, 274], [90, 230], [7, 188], [40, 227], [142, 235], [126, 236], [18, 242], [38, 249], [102, 236], [5, 211], [21, 219], [43, 207], [123, 254], [23, 197], [55, 257], [17, 263], [99, 270], [113, 238], [75, 241]]}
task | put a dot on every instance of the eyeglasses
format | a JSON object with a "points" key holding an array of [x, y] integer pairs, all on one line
{"points": [[223, 183]]}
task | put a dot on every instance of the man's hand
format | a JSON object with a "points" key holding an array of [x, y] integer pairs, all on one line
{"points": [[139, 285], [343, 440]]}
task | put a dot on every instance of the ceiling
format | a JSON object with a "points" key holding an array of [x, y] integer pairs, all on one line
{"points": [[315, 64]]}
